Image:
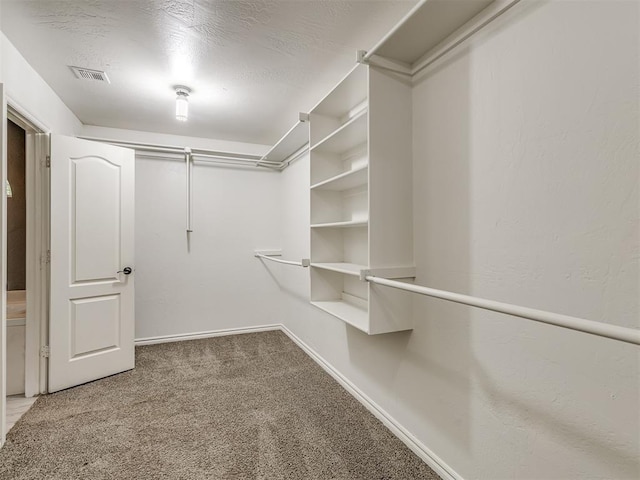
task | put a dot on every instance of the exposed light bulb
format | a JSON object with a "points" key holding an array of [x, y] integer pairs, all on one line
{"points": [[182, 103]]}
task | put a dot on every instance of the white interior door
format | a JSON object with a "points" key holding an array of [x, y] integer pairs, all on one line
{"points": [[91, 325]]}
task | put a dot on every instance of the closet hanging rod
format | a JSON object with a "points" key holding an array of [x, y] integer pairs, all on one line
{"points": [[472, 27], [205, 156], [455, 38], [623, 334], [240, 162], [179, 150], [293, 157], [305, 262]]}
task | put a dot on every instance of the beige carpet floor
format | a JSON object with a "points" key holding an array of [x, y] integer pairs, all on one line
{"points": [[250, 406]]}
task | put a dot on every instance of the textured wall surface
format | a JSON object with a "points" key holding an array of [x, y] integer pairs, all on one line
{"points": [[526, 174], [526, 168], [211, 281]]}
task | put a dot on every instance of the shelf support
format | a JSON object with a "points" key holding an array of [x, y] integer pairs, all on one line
{"points": [[385, 63]]}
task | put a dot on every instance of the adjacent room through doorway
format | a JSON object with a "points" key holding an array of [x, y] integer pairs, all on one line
{"points": [[15, 188]]}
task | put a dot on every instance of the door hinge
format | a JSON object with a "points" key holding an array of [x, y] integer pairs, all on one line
{"points": [[47, 161], [46, 258], [44, 351]]}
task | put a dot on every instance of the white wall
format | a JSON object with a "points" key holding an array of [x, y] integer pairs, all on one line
{"points": [[214, 282], [211, 281], [235, 211], [526, 191]]}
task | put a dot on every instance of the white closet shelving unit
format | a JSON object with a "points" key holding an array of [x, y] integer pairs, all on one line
{"points": [[361, 167], [361, 205]]}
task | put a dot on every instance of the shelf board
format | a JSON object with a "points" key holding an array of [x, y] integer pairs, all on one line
{"points": [[425, 27], [346, 137], [351, 179], [292, 141], [346, 268], [345, 224], [351, 91], [347, 312]]}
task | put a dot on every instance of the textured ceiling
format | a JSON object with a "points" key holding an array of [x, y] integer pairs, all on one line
{"points": [[252, 65]]}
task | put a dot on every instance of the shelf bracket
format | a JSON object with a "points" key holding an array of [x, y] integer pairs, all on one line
{"points": [[395, 66], [269, 253], [303, 117]]}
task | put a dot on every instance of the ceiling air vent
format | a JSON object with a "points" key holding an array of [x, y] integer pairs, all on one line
{"points": [[88, 74]]}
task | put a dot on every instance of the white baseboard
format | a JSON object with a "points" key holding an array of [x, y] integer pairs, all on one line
{"points": [[417, 447], [211, 333]]}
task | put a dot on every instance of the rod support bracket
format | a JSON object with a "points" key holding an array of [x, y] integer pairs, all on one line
{"points": [[268, 253], [306, 262], [364, 274], [360, 57]]}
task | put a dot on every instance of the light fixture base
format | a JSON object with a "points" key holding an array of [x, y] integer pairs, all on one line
{"points": [[182, 90]]}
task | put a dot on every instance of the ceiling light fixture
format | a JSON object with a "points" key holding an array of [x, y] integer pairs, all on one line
{"points": [[182, 103]]}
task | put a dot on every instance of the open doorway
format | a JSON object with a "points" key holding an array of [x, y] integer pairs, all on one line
{"points": [[26, 189], [16, 310]]}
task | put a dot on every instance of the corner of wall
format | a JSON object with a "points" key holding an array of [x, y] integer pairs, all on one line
{"points": [[28, 92]]}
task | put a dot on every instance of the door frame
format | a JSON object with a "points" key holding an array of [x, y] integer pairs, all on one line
{"points": [[37, 182], [37, 268], [3, 262]]}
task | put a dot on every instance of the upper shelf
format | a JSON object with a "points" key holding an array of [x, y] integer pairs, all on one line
{"points": [[292, 141], [344, 181], [346, 137], [425, 26], [349, 93]]}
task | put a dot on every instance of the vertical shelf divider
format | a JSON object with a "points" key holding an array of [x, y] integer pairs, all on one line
{"points": [[360, 187]]}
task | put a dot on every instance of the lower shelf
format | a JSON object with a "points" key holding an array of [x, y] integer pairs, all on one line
{"points": [[354, 315]]}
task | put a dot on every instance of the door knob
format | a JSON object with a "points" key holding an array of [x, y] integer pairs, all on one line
{"points": [[125, 270]]}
